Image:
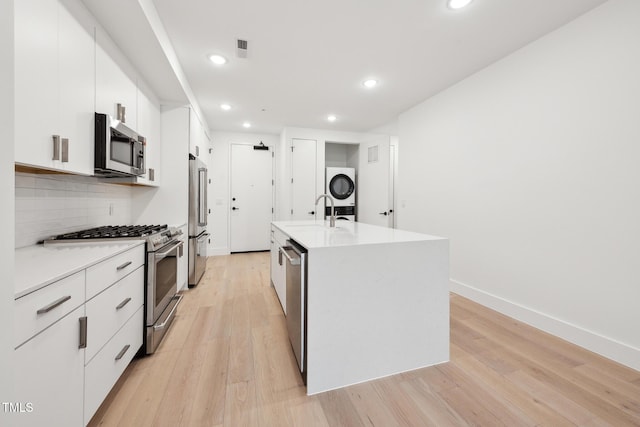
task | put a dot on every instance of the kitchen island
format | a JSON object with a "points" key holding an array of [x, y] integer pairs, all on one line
{"points": [[377, 301]]}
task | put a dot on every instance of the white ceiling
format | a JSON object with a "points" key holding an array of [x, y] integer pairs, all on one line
{"points": [[308, 58]]}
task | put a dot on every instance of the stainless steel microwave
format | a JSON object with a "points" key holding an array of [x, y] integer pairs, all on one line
{"points": [[119, 151]]}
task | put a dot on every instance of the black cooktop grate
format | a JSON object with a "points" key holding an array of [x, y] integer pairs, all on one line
{"points": [[113, 231]]}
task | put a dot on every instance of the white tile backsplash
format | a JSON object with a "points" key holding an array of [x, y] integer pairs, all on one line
{"points": [[47, 205]]}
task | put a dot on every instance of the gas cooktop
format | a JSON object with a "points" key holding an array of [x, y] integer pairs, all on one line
{"points": [[113, 231]]}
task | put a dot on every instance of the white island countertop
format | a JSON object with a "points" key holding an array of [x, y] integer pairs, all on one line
{"points": [[38, 266], [318, 234], [375, 299]]}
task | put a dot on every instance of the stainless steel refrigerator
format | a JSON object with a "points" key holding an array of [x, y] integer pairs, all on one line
{"points": [[198, 212]]}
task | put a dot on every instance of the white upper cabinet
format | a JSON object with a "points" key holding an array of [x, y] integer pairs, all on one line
{"points": [[304, 180], [116, 82], [54, 81], [198, 139], [149, 126]]}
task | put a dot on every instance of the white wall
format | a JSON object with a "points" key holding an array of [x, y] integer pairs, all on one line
{"points": [[7, 194], [219, 172], [531, 167]]}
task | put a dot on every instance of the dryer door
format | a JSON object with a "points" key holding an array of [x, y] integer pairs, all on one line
{"points": [[341, 186]]}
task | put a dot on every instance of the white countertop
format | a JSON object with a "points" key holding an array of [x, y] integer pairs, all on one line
{"points": [[38, 266], [318, 234]]}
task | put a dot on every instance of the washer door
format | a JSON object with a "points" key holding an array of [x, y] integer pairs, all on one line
{"points": [[341, 186]]}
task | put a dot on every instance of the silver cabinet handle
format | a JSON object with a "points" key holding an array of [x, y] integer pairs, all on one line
{"points": [[122, 352], [121, 113], [125, 265], [65, 150], [56, 147], [123, 303], [56, 303], [83, 332]]}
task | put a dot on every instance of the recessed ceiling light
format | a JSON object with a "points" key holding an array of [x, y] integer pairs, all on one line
{"points": [[218, 59], [246, 125], [370, 83], [332, 118], [225, 107], [458, 4]]}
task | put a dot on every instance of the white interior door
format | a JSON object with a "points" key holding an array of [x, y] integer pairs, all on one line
{"points": [[373, 182], [251, 201], [303, 180]]}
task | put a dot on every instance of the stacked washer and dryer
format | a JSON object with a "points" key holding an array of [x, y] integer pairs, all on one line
{"points": [[341, 185]]}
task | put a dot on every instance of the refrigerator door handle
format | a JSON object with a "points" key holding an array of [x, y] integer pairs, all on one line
{"points": [[202, 196]]}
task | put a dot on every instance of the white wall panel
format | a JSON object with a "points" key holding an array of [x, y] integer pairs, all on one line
{"points": [[531, 168]]}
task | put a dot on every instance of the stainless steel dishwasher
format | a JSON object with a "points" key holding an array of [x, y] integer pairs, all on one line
{"points": [[296, 272]]}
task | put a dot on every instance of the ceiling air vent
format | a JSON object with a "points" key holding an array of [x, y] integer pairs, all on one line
{"points": [[242, 48]]}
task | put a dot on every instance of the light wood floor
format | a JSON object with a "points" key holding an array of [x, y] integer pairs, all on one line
{"points": [[226, 361]]}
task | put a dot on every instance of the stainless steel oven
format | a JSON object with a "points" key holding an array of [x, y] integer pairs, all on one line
{"points": [[162, 287], [163, 248]]}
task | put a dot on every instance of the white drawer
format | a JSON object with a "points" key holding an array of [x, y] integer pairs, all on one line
{"points": [[108, 311], [279, 237], [37, 310], [104, 370], [106, 273]]}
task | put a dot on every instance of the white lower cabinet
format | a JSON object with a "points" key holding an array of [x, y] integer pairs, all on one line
{"points": [[183, 262], [71, 349], [278, 272], [111, 309], [105, 368], [49, 375]]}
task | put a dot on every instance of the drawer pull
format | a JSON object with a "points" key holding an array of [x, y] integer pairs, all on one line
{"points": [[125, 265], [56, 147], [83, 332], [123, 303], [122, 352], [53, 305]]}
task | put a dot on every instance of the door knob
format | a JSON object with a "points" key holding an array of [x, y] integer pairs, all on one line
{"points": [[235, 209], [312, 213], [383, 213], [233, 199]]}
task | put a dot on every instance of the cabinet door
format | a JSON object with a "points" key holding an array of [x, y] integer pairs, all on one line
{"points": [[76, 55], [278, 268], [49, 374], [36, 81], [149, 127], [183, 262], [114, 81], [303, 185], [196, 135], [54, 84]]}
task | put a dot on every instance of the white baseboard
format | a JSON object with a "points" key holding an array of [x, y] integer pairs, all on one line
{"points": [[604, 346]]}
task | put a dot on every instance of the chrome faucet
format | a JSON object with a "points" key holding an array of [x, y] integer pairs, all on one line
{"points": [[332, 221]]}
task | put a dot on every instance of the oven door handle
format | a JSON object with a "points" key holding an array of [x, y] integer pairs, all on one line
{"points": [[160, 255]]}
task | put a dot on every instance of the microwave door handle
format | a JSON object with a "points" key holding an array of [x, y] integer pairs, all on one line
{"points": [[202, 196]]}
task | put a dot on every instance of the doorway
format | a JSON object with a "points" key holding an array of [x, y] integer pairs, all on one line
{"points": [[251, 197]]}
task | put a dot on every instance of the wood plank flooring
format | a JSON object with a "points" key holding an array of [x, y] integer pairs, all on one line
{"points": [[226, 361]]}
